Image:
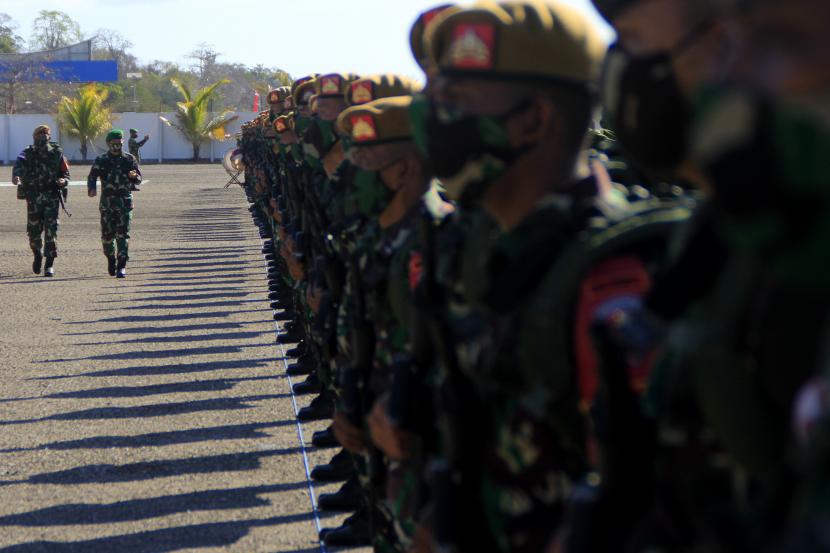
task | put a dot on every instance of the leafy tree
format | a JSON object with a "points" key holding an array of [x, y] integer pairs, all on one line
{"points": [[193, 117], [85, 116], [54, 29], [112, 45], [9, 41], [205, 57]]}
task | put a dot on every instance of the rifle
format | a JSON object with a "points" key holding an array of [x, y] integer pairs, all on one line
{"points": [[454, 478]]}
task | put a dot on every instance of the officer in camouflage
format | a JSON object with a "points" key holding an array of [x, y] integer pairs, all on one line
{"points": [[118, 172], [41, 173], [134, 144]]}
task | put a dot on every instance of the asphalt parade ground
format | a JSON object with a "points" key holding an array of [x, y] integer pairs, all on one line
{"points": [[150, 414]]}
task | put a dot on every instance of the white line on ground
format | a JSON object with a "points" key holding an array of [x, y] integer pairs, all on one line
{"points": [[300, 433]]}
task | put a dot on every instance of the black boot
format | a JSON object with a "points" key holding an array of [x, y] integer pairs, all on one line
{"points": [[283, 315], [37, 263], [353, 533], [304, 366], [348, 498], [340, 468], [290, 337], [310, 385], [48, 269], [319, 409], [298, 350], [121, 269], [324, 438], [111, 265]]}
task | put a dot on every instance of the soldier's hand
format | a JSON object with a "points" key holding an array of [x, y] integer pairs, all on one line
{"points": [[16, 181], [62, 182], [132, 174], [314, 295], [390, 439], [349, 435], [146, 136], [91, 192]]}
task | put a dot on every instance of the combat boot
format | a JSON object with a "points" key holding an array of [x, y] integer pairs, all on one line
{"points": [[348, 498], [297, 351], [121, 269], [290, 337], [353, 533], [48, 269], [303, 366], [310, 385], [111, 265], [324, 438], [38, 262], [284, 315], [340, 468], [319, 409]]}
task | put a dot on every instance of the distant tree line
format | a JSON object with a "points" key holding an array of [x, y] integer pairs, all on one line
{"points": [[153, 91]]}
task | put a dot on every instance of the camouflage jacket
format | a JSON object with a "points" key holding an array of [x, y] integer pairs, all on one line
{"points": [[39, 170], [113, 172], [134, 145]]}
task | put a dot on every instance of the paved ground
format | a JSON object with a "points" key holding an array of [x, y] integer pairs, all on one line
{"points": [[151, 414]]}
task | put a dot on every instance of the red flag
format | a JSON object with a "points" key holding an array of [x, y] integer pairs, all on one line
{"points": [[256, 101]]}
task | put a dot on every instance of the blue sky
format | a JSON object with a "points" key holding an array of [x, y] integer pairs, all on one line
{"points": [[299, 36]]}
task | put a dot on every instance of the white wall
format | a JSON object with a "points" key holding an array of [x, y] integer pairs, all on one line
{"points": [[165, 142]]}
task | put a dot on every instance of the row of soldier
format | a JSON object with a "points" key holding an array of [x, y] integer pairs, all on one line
{"points": [[531, 334]]}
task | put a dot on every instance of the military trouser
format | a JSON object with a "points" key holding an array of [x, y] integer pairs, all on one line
{"points": [[42, 224], [116, 214]]}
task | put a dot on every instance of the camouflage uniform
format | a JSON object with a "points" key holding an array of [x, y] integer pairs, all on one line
{"points": [[116, 204], [134, 145], [39, 170]]}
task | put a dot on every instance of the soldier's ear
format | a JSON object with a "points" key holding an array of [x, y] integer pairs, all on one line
{"points": [[530, 125]]}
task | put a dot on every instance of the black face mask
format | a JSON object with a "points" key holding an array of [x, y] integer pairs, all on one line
{"points": [[41, 142], [648, 112], [474, 147]]}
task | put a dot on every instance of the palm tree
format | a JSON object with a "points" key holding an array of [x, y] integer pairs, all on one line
{"points": [[195, 121], [85, 116]]}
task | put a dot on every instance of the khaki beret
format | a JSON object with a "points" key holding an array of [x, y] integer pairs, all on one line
{"points": [[363, 91], [333, 85], [301, 81], [528, 41], [378, 122], [284, 123], [279, 94], [418, 32], [304, 91]]}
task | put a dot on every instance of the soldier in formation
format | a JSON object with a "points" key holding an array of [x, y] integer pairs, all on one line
{"points": [[526, 341]]}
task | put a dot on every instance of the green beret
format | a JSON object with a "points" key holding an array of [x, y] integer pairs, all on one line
{"points": [[134, 130], [115, 134], [523, 40]]}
